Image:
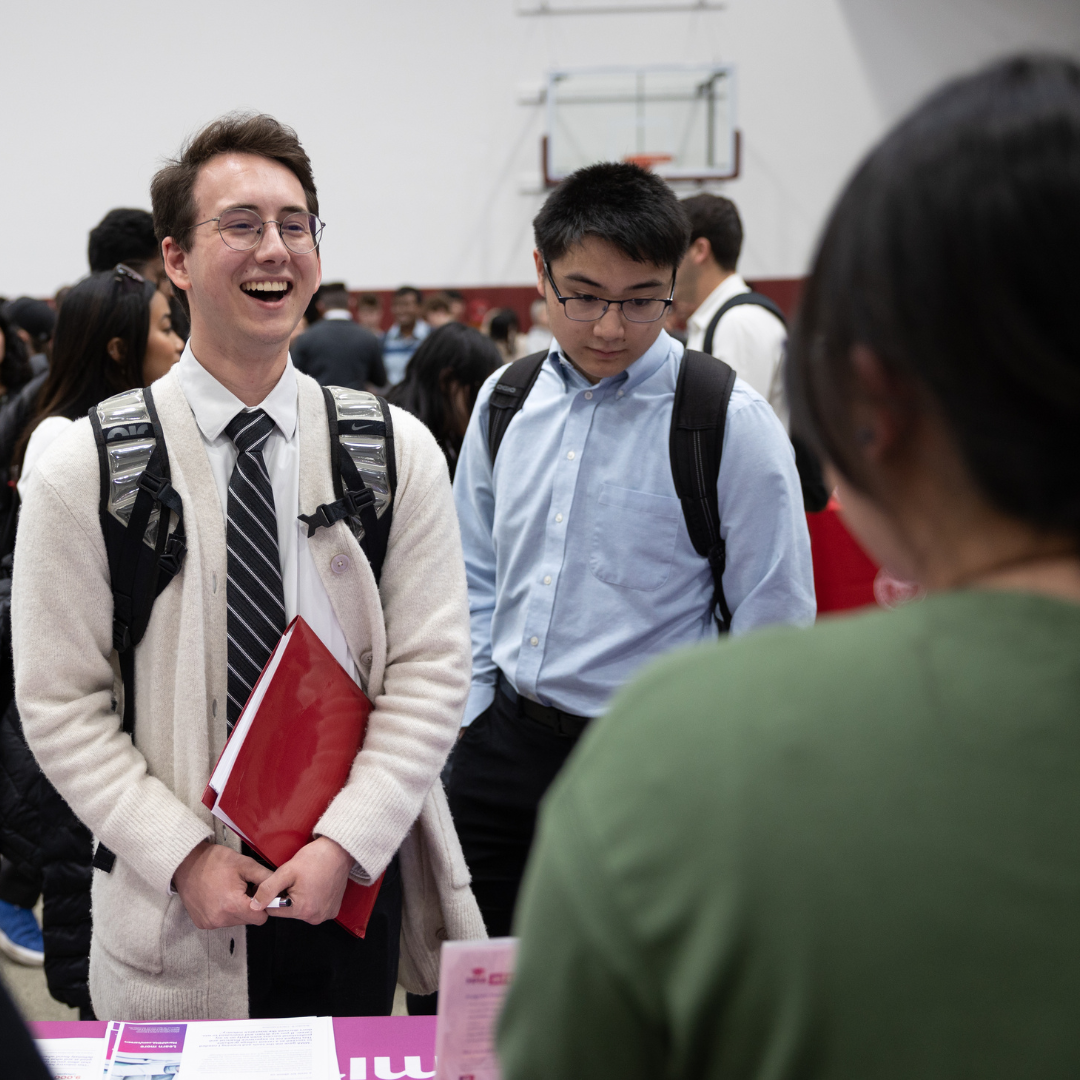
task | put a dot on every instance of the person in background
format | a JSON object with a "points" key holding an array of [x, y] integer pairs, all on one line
{"points": [[34, 321], [113, 333], [369, 312], [436, 310], [459, 308], [503, 328], [335, 351], [850, 852], [15, 369], [538, 338], [127, 236], [580, 563], [442, 380], [408, 330], [748, 338]]}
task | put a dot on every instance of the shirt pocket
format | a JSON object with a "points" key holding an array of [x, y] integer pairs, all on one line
{"points": [[634, 537]]}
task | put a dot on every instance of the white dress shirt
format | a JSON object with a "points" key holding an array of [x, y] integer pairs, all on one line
{"points": [[749, 338], [213, 407]]}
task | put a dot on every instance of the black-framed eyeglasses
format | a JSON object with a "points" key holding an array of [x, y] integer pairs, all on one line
{"points": [[591, 308], [242, 230]]}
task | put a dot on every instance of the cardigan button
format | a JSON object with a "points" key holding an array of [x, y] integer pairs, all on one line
{"points": [[339, 564], [365, 660]]}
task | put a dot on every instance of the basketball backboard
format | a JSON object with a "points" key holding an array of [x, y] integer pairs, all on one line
{"points": [[679, 121]]}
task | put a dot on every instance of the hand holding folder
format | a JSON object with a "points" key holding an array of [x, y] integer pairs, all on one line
{"points": [[290, 754]]}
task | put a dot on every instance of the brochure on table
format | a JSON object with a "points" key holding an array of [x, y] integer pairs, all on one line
{"points": [[290, 1049]]}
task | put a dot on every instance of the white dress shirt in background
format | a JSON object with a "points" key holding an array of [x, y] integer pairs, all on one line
{"points": [[748, 338]]}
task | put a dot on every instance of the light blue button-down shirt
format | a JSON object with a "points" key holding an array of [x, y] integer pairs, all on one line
{"points": [[579, 562]]}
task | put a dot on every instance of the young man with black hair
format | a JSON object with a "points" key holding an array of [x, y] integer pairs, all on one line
{"points": [[749, 337], [336, 351], [579, 560], [126, 236], [177, 932]]}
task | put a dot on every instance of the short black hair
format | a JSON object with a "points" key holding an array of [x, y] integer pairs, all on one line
{"points": [[717, 219], [407, 290], [624, 204], [122, 236], [333, 294], [952, 256]]}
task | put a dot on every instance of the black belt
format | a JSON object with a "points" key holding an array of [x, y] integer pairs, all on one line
{"points": [[562, 723]]}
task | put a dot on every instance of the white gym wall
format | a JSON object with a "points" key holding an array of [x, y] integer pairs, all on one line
{"points": [[413, 111]]}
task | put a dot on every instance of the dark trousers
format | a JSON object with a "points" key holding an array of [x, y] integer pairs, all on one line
{"points": [[503, 764], [296, 969], [18, 885]]}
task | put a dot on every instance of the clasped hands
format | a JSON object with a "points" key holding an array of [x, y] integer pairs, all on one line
{"points": [[212, 882]]}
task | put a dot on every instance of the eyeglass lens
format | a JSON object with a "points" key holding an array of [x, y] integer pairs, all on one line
{"points": [[242, 230], [589, 309]]}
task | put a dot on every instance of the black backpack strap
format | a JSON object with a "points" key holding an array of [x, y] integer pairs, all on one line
{"points": [[755, 298], [364, 471], [137, 498], [509, 395], [702, 393], [815, 493]]}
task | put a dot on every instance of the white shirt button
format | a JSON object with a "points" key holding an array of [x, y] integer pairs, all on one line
{"points": [[534, 641], [558, 517], [547, 579], [619, 394], [570, 456], [588, 395], [339, 564]]}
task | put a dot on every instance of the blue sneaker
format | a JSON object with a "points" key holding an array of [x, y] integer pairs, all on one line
{"points": [[20, 935]]}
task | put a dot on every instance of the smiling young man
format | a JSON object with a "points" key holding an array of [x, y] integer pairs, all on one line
{"points": [[249, 451], [579, 561]]}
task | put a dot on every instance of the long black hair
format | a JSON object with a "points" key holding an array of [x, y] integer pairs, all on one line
{"points": [[452, 354], [953, 256], [15, 370], [106, 305]]}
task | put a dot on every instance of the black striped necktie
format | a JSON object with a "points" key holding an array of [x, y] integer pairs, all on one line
{"points": [[255, 596]]}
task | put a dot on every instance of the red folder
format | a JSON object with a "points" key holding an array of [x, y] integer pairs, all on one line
{"points": [[290, 754]]}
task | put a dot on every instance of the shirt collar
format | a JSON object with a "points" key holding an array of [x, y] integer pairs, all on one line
{"points": [[214, 405], [337, 314], [644, 367], [729, 287]]}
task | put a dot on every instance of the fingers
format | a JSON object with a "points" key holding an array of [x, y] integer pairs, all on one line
{"points": [[273, 884]]}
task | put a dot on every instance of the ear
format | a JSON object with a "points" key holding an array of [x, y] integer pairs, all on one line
{"points": [[881, 406], [700, 251], [175, 259], [116, 349], [541, 275]]}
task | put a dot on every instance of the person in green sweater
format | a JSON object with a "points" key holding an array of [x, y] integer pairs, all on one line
{"points": [[853, 851]]}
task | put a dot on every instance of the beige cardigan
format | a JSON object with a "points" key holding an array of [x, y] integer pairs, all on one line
{"points": [[409, 639]]}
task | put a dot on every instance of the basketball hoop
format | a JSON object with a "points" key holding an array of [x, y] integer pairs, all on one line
{"points": [[647, 161]]}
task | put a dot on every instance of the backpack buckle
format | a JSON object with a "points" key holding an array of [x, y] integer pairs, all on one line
{"points": [[121, 636], [157, 487]]}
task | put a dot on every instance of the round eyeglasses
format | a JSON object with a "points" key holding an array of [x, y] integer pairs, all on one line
{"points": [[242, 230], [591, 308]]}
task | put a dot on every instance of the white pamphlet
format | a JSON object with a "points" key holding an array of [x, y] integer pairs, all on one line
{"points": [[73, 1059], [474, 977]]}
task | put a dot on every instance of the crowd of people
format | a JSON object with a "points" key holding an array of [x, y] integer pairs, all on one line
{"points": [[835, 850]]}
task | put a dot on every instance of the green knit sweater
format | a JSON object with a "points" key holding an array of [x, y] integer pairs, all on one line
{"points": [[851, 851]]}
